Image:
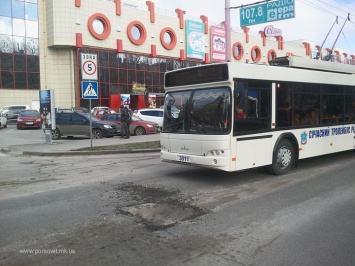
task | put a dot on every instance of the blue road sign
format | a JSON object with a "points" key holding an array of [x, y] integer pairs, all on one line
{"points": [[89, 90], [267, 12]]}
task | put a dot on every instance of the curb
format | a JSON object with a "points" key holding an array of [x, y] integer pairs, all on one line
{"points": [[75, 153]]}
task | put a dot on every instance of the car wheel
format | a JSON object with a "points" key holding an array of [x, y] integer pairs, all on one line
{"points": [[139, 131], [283, 159], [55, 134], [96, 134], [5, 126]]}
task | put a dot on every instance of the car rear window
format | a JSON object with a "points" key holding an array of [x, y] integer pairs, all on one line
{"points": [[153, 113]]}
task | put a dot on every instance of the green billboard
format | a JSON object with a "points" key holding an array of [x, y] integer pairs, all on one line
{"points": [[267, 12]]}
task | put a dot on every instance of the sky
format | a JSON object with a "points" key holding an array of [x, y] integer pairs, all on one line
{"points": [[313, 19]]}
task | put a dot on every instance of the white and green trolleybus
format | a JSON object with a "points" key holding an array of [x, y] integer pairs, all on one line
{"points": [[235, 116]]}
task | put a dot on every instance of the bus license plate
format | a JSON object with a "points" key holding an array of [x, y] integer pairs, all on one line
{"points": [[183, 158]]}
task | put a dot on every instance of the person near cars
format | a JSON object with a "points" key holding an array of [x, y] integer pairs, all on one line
{"points": [[46, 119], [125, 117]]}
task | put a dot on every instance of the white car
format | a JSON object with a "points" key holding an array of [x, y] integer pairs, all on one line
{"points": [[3, 121], [152, 115], [11, 111]]}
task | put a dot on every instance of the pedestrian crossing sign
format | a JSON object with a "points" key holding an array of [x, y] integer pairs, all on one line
{"points": [[89, 90]]}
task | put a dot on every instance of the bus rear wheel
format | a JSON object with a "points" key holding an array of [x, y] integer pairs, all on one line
{"points": [[283, 158]]}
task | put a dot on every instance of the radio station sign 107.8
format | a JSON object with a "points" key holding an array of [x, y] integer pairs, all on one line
{"points": [[267, 12]]}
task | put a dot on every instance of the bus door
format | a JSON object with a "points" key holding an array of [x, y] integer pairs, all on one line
{"points": [[252, 123]]}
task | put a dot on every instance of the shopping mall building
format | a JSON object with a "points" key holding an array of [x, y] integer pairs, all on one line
{"points": [[129, 45]]}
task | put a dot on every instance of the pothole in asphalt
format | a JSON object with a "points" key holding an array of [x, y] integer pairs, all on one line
{"points": [[158, 208]]}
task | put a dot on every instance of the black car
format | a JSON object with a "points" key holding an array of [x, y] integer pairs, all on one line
{"points": [[76, 123]]}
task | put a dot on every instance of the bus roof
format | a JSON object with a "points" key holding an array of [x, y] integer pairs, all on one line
{"points": [[314, 64]]}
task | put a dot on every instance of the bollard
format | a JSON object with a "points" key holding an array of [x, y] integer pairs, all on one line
{"points": [[48, 136]]}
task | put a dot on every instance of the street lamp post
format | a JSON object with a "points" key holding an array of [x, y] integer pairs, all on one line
{"points": [[227, 26]]}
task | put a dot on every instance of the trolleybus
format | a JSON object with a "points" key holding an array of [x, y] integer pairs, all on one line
{"points": [[235, 116]]}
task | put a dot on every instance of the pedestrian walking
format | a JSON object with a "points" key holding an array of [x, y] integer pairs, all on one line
{"points": [[125, 118]]}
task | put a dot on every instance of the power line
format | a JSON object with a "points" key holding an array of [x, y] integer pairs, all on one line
{"points": [[342, 4], [333, 6], [317, 7], [347, 43], [328, 8]]}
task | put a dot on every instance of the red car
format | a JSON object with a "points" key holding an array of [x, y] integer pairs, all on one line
{"points": [[101, 112], [29, 119], [137, 127]]}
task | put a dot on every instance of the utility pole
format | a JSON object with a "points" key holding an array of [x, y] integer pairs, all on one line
{"points": [[227, 25]]}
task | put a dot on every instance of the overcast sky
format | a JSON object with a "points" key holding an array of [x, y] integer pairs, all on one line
{"points": [[312, 22]]}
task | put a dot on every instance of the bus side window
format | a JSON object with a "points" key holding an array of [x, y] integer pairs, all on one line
{"points": [[252, 106]]}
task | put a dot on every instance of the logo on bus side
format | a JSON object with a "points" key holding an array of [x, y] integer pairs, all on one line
{"points": [[326, 132], [304, 138]]}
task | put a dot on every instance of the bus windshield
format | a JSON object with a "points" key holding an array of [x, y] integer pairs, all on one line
{"points": [[202, 111]]}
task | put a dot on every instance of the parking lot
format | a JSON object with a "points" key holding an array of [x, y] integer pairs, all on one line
{"points": [[34, 140]]}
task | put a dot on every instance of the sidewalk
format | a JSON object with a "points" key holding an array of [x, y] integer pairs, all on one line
{"points": [[67, 146]]}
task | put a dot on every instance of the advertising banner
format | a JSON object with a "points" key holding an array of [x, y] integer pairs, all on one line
{"points": [[218, 44], [47, 109], [125, 99], [138, 88], [152, 99], [267, 12], [195, 43]]}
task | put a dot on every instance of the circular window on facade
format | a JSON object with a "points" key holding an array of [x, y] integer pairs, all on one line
{"points": [[271, 55], [168, 38], [99, 26], [238, 51], [255, 54], [136, 32]]}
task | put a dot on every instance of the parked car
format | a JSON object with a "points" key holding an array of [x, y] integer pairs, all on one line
{"points": [[74, 123], [151, 114], [3, 121], [137, 126], [103, 108], [11, 111], [29, 119], [80, 109], [100, 112]]}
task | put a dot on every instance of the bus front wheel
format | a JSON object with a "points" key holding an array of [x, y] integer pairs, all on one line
{"points": [[283, 158]]}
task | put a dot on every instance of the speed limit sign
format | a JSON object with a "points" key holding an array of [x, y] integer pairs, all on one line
{"points": [[89, 66]]}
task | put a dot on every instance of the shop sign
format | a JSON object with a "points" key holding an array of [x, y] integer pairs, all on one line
{"points": [[218, 44], [270, 31], [195, 43]]}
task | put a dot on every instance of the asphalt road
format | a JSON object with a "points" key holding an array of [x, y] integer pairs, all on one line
{"points": [[133, 209]]}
